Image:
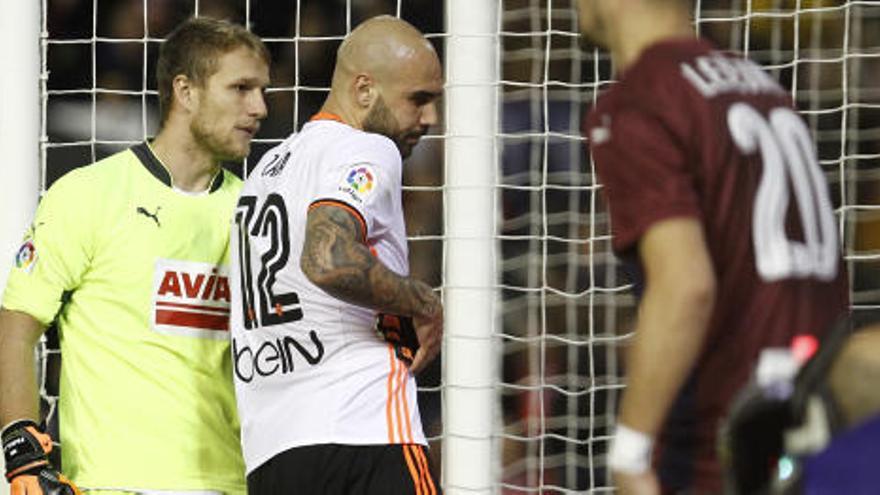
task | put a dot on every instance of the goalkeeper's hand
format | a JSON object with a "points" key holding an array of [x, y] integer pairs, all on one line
{"points": [[400, 333], [28, 470]]}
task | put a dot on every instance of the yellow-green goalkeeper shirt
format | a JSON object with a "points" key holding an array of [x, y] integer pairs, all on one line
{"points": [[146, 398]]}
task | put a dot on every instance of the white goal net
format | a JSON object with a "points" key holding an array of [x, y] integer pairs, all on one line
{"points": [[564, 307], [567, 310]]}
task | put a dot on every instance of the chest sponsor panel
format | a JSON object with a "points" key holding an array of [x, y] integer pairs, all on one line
{"points": [[190, 299], [262, 357]]}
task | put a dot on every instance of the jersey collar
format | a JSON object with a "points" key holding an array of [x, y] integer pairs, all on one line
{"points": [[327, 116], [151, 162]]}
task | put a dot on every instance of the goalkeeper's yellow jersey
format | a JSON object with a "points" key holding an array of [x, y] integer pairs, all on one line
{"points": [[146, 399]]}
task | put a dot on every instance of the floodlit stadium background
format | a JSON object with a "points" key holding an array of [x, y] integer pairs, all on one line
{"points": [[565, 309]]}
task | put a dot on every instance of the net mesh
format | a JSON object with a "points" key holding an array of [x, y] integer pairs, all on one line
{"points": [[566, 306], [567, 309]]}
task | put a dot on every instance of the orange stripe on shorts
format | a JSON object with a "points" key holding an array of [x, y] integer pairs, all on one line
{"points": [[432, 490], [412, 469]]}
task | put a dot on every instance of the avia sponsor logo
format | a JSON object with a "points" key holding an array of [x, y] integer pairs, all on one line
{"points": [[191, 299], [274, 356]]}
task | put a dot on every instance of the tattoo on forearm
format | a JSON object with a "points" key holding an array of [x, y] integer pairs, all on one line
{"points": [[334, 258]]}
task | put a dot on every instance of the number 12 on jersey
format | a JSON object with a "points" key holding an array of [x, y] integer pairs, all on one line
{"points": [[261, 306]]}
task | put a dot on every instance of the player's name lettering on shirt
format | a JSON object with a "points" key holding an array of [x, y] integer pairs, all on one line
{"points": [[274, 356], [191, 299], [276, 165], [715, 74]]}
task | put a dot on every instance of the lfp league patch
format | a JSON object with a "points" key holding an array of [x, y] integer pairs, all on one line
{"points": [[358, 182], [26, 257]]}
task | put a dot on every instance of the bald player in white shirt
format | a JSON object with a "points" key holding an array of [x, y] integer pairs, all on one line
{"points": [[319, 252]]}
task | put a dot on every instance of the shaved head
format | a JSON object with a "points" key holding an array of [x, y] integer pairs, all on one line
{"points": [[386, 81], [380, 46]]}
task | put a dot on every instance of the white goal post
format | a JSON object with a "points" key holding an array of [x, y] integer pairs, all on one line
{"points": [[20, 132], [470, 261]]}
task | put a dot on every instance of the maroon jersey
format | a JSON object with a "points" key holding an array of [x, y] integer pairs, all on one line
{"points": [[693, 132]]}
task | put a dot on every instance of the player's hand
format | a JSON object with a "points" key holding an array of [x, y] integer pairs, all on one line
{"points": [[28, 470], [637, 484], [400, 332], [429, 330]]}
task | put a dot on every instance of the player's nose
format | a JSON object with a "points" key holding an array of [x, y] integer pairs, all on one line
{"points": [[429, 115], [257, 105]]}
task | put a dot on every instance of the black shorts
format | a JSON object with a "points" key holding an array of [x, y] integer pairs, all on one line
{"points": [[333, 469]]}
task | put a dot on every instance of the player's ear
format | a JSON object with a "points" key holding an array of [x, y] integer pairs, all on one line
{"points": [[364, 90], [184, 92]]}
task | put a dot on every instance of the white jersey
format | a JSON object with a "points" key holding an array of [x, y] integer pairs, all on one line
{"points": [[309, 368]]}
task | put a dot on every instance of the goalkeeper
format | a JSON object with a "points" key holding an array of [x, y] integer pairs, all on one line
{"points": [[129, 256]]}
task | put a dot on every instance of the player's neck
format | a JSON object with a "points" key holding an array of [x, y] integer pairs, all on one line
{"points": [[638, 33], [191, 166], [334, 107]]}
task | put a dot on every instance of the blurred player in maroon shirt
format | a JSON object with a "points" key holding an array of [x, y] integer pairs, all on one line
{"points": [[716, 193]]}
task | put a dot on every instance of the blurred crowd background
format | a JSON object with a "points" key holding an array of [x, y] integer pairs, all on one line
{"points": [[566, 307]]}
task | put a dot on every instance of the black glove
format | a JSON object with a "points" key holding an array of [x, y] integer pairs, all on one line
{"points": [[28, 470], [400, 332]]}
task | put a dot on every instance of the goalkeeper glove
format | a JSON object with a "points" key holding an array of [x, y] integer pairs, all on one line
{"points": [[400, 332], [28, 470]]}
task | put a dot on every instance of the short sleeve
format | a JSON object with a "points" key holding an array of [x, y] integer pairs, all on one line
{"points": [[54, 254], [363, 182], [643, 169]]}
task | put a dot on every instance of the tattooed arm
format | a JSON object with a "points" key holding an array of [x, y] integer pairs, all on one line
{"points": [[335, 259]]}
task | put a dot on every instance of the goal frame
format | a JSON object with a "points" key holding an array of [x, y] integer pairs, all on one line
{"points": [[21, 132], [470, 368], [21, 44]]}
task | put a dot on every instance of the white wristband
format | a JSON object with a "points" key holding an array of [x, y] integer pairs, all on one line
{"points": [[630, 451]]}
